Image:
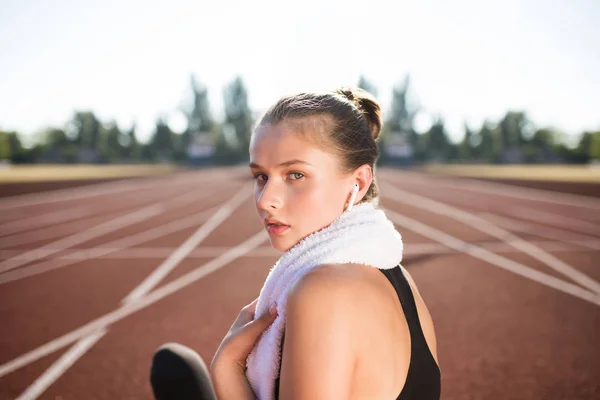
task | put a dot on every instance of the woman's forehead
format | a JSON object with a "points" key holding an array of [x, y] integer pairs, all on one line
{"points": [[276, 144]]}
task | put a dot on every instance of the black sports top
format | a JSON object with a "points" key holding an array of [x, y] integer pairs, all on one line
{"points": [[423, 380]]}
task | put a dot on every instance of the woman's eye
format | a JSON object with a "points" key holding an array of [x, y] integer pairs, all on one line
{"points": [[296, 175], [260, 177]]}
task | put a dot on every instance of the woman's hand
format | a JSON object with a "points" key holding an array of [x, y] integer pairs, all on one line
{"points": [[228, 367]]}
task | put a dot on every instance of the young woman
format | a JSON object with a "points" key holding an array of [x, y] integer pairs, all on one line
{"points": [[338, 316]]}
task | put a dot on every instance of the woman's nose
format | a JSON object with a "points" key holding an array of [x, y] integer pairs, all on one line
{"points": [[270, 197]]}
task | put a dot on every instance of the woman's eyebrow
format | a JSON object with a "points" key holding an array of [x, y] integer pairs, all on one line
{"points": [[283, 164]]}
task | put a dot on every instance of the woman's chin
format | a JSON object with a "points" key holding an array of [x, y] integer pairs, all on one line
{"points": [[281, 245]]}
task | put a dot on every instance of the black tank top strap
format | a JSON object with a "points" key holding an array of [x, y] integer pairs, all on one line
{"points": [[423, 380], [407, 300]]}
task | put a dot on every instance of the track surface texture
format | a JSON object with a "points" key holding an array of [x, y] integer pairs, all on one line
{"points": [[94, 278]]}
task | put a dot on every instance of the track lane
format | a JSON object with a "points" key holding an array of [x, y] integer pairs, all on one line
{"points": [[493, 327]]}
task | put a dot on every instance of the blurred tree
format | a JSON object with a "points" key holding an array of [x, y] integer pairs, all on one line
{"points": [[57, 147], [199, 117], [467, 144], [198, 139], [131, 148], [232, 144], [400, 141], [511, 129], [485, 150], [595, 146], [365, 84], [87, 134], [541, 147], [439, 148], [5, 153], [110, 149], [161, 146], [585, 146]]}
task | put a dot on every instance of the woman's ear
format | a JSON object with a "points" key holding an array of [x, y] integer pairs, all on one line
{"points": [[363, 176]]}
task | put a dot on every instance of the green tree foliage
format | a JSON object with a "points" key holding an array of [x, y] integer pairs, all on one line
{"points": [[57, 146], [594, 153], [5, 153], [162, 143], [110, 147], [201, 130], [467, 144], [234, 139], [87, 128], [400, 121], [438, 145], [199, 117], [541, 147], [131, 148], [511, 130], [485, 149]]}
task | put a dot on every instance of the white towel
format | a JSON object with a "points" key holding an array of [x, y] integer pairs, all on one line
{"points": [[363, 235]]}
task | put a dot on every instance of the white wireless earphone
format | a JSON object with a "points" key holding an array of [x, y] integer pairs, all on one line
{"points": [[352, 197]]}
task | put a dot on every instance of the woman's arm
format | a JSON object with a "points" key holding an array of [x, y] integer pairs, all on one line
{"points": [[320, 352], [228, 366]]}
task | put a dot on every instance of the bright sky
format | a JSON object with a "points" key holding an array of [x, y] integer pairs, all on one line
{"points": [[131, 60]]}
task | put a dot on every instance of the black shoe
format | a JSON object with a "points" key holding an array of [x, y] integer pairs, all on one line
{"points": [[179, 373]]}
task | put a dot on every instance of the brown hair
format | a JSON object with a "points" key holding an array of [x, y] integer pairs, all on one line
{"points": [[346, 122]]}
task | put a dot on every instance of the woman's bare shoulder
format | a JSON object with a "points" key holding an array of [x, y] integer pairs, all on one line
{"points": [[337, 281], [320, 347], [353, 291]]}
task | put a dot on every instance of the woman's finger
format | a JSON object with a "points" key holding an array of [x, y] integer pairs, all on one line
{"points": [[254, 328]]}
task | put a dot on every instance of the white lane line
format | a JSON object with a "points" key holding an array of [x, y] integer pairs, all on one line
{"points": [[115, 246], [86, 343], [190, 244], [42, 220], [554, 219], [56, 370], [99, 189], [148, 253], [103, 228], [145, 196], [578, 239], [487, 227], [51, 232], [494, 259], [501, 189], [127, 309], [91, 233]]}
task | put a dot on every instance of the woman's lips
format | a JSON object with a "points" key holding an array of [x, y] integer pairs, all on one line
{"points": [[276, 229]]}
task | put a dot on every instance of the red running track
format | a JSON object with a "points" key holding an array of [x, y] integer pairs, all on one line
{"points": [[510, 276]]}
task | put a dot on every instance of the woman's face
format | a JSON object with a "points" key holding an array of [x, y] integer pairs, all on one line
{"points": [[298, 187]]}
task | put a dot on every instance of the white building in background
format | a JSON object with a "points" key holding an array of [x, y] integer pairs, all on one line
{"points": [[398, 149], [201, 148]]}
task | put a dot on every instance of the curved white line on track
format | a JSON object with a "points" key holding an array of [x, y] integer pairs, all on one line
{"points": [[130, 308], [578, 239], [489, 228], [502, 189], [149, 253], [102, 229], [190, 244], [494, 259], [88, 234], [98, 189], [86, 343], [554, 219], [56, 370], [115, 246], [43, 220], [141, 196]]}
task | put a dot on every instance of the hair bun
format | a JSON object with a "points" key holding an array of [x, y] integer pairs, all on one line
{"points": [[367, 105]]}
